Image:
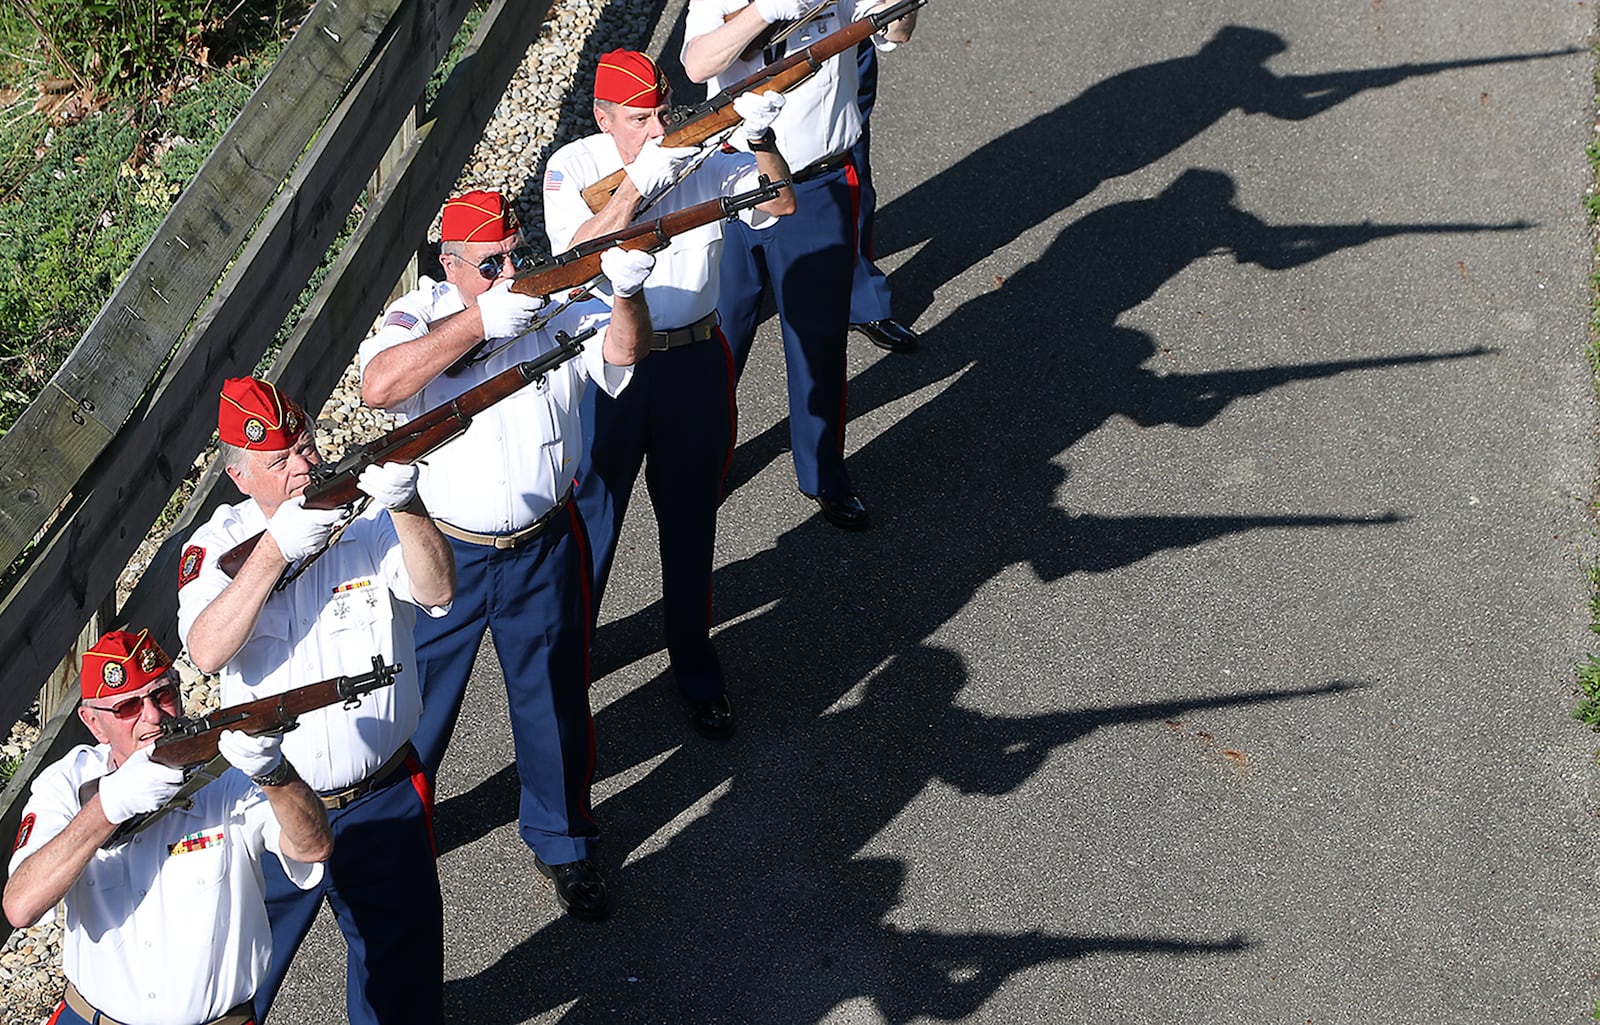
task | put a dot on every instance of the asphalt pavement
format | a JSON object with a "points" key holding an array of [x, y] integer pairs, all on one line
{"points": [[1211, 657]]}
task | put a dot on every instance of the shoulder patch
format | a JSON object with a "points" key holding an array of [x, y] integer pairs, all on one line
{"points": [[400, 318], [552, 181], [189, 566], [24, 832]]}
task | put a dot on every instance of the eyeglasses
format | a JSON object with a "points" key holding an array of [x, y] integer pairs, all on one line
{"points": [[521, 259], [164, 697]]}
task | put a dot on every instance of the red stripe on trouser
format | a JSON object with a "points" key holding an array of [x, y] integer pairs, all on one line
{"points": [[580, 535], [853, 177], [424, 789], [57, 1016]]}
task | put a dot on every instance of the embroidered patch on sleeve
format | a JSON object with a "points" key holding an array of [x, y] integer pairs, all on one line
{"points": [[189, 566], [552, 181], [24, 832], [400, 318], [197, 841]]}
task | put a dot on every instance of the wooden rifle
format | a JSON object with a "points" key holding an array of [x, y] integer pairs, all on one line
{"points": [[335, 485], [694, 125], [190, 742], [581, 264]]}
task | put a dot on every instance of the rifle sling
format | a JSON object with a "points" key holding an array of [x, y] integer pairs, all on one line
{"points": [[205, 774]]}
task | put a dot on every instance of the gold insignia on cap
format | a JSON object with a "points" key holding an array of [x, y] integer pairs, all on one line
{"points": [[291, 422], [113, 676], [148, 659]]}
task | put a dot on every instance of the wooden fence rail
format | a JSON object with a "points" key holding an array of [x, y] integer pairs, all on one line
{"points": [[108, 461]]}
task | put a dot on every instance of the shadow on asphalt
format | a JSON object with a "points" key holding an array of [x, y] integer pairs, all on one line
{"points": [[1113, 128], [766, 899]]}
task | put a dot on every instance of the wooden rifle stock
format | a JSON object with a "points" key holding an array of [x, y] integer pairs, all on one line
{"points": [[334, 486], [699, 123], [192, 740], [581, 263]]}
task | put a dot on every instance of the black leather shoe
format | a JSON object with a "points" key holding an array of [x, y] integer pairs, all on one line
{"points": [[579, 888], [845, 513], [890, 335], [712, 719]]}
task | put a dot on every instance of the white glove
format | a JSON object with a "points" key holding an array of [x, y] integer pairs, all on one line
{"points": [[626, 269], [391, 485], [784, 10], [253, 756], [138, 785], [507, 313], [657, 166], [299, 531], [759, 110]]}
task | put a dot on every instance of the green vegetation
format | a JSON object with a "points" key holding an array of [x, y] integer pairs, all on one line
{"points": [[85, 181], [1588, 709], [107, 110], [1588, 689]]}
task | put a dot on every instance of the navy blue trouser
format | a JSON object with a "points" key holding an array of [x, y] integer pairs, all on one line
{"points": [[535, 601], [676, 419], [383, 886], [869, 291], [808, 259]]}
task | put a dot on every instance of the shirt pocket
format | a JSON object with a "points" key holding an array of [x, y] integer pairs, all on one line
{"points": [[357, 608], [196, 862]]}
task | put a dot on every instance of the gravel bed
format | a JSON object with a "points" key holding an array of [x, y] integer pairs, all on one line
{"points": [[545, 106]]}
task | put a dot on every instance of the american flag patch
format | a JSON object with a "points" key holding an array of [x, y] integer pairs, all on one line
{"points": [[400, 318], [552, 181], [197, 841]]}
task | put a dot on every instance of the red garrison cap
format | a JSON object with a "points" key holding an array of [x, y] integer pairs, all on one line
{"points": [[122, 661], [255, 415], [630, 78], [478, 217]]}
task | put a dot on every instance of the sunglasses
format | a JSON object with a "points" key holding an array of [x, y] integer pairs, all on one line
{"points": [[521, 259], [165, 697]]}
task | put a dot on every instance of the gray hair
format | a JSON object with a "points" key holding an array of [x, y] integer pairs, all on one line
{"points": [[233, 455]]}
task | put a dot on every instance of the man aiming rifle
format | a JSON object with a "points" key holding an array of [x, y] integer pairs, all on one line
{"points": [[807, 261], [676, 420], [501, 493], [172, 929], [304, 607]]}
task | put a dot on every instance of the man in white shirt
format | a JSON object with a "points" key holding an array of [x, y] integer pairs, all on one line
{"points": [[307, 605], [168, 925], [808, 260], [677, 418], [501, 493]]}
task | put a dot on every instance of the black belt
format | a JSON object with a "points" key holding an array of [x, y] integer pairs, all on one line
{"points": [[700, 331], [505, 542], [822, 167], [385, 774]]}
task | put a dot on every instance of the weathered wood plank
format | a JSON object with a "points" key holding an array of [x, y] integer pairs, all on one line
{"points": [[61, 433], [340, 315], [142, 466]]}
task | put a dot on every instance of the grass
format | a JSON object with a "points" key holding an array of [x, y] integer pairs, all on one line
{"points": [[79, 199], [1588, 672]]}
